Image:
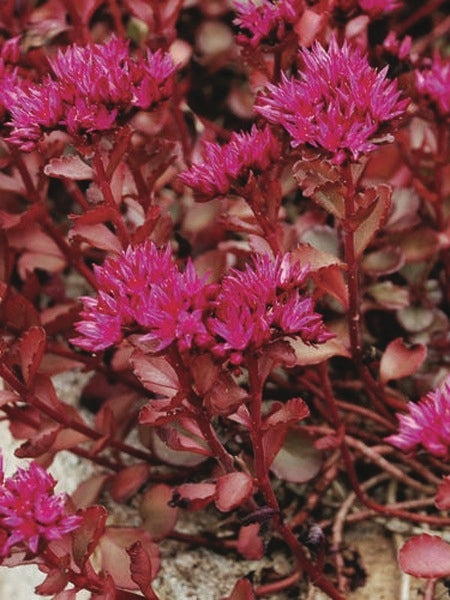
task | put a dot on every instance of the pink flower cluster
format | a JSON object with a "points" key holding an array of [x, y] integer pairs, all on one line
{"points": [[30, 511], [227, 168], [434, 83], [337, 103], [144, 291], [90, 88], [427, 424], [263, 20]]}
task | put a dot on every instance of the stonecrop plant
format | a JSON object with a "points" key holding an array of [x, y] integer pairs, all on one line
{"points": [[225, 225]]}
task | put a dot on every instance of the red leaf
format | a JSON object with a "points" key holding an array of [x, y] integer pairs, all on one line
{"points": [[88, 491], [173, 457], [158, 516], [400, 361], [243, 590], [178, 437], [292, 411], [225, 396], [195, 495], [155, 374], [298, 460], [425, 556], [88, 533], [372, 222], [128, 481], [39, 444], [443, 496], [114, 558], [55, 581], [98, 236], [32, 347], [232, 490], [70, 167], [141, 569], [250, 543], [306, 354]]}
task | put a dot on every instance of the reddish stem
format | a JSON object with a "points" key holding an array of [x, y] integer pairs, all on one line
{"points": [[256, 387]]}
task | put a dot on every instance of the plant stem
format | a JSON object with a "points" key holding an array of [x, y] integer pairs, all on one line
{"points": [[352, 268], [256, 389]]}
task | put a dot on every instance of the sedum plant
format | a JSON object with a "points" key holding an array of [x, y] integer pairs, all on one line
{"points": [[233, 219]]}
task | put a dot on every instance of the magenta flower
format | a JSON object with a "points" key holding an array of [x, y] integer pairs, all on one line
{"points": [[227, 168], [434, 83], [428, 423], [265, 20], [261, 304], [142, 291], [125, 286], [90, 87], [175, 311], [30, 511], [337, 103]]}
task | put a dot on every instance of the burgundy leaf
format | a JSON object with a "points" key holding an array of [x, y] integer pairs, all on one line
{"points": [[88, 533], [141, 569], [32, 347]]}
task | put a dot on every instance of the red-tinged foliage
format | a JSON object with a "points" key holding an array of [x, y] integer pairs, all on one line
{"points": [[400, 361], [113, 545], [425, 555], [87, 536], [157, 511], [233, 490], [243, 590], [127, 482], [298, 460], [442, 499], [141, 569], [230, 221], [250, 543]]}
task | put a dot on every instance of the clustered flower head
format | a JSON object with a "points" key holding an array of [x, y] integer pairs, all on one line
{"points": [[90, 88], [434, 83], [145, 292], [263, 20], [427, 424], [261, 303], [30, 511], [337, 102], [227, 168]]}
